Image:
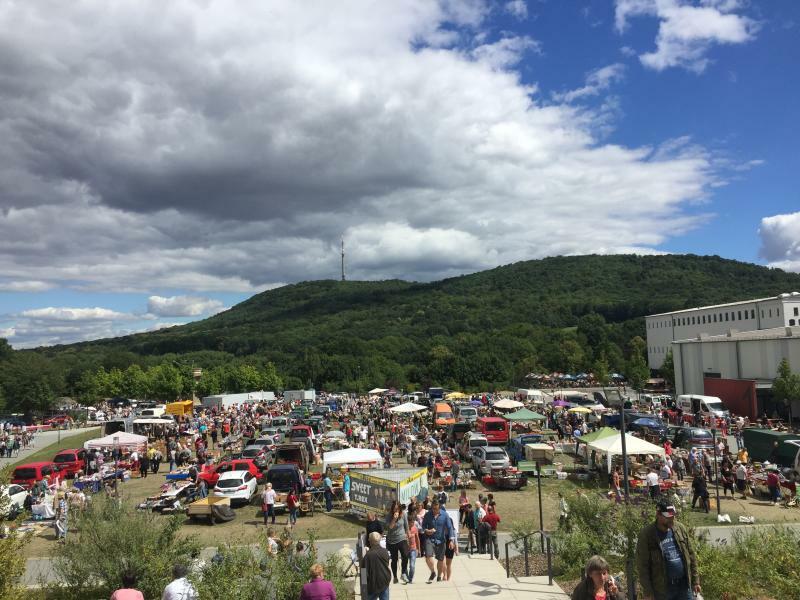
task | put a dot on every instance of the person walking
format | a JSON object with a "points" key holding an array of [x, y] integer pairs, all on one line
{"points": [[376, 563], [741, 478], [438, 536], [180, 588], [652, 483], [268, 497], [144, 465], [128, 590], [665, 559], [492, 519], [414, 543], [774, 484], [292, 506], [700, 491], [397, 539], [328, 491], [597, 583], [318, 588]]}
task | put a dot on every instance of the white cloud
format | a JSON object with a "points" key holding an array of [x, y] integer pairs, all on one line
{"points": [[518, 9], [183, 306], [505, 53], [196, 148], [780, 241], [25, 286], [7, 332], [686, 32], [52, 313], [597, 81]]}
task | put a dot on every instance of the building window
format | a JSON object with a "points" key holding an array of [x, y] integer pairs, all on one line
{"points": [[739, 314], [752, 313], [791, 322], [770, 313], [796, 310], [777, 312], [715, 318], [726, 316]]}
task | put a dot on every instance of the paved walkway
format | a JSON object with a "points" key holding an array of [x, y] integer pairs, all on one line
{"points": [[475, 577], [42, 440]]}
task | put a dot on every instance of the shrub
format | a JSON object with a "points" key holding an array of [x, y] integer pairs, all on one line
{"points": [[107, 539], [238, 573]]}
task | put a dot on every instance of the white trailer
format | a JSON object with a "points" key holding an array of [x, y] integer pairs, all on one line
{"points": [[299, 395], [228, 400]]}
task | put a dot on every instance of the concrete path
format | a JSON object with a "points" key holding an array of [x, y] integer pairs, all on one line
{"points": [[42, 440], [476, 576]]}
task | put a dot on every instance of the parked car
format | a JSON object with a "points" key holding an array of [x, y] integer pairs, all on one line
{"points": [[56, 420], [692, 437], [28, 474], [516, 445], [457, 431], [15, 495], [240, 486], [285, 477], [273, 433], [322, 410], [470, 442], [466, 413], [484, 459], [212, 474], [260, 455], [71, 461]]}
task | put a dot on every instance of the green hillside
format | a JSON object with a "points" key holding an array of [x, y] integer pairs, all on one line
{"points": [[476, 331]]}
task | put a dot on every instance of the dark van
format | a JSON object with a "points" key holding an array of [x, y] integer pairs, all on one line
{"points": [[285, 478]]}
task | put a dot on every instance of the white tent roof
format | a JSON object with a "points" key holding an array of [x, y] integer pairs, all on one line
{"points": [[612, 445], [122, 440], [407, 407], [378, 390], [506, 403], [351, 457]]}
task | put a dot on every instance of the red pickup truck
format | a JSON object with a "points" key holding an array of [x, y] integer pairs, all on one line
{"points": [[211, 474], [28, 474], [71, 461]]}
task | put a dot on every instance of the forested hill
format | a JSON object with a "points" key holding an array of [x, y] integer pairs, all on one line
{"points": [[474, 331]]}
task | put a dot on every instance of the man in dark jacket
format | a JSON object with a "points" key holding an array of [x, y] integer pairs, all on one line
{"points": [[665, 559], [376, 562]]}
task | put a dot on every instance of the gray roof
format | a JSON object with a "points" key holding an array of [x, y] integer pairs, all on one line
{"points": [[775, 333]]}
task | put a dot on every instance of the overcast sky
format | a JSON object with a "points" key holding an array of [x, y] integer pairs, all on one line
{"points": [[161, 161]]}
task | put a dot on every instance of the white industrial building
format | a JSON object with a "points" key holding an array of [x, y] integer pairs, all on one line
{"points": [[738, 367], [745, 316]]}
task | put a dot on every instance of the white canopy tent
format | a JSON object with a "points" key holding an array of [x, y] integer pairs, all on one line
{"points": [[360, 458], [374, 391], [408, 407], [612, 445], [121, 440], [509, 404]]}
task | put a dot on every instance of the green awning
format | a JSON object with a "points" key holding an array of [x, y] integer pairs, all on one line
{"points": [[523, 414], [601, 433]]}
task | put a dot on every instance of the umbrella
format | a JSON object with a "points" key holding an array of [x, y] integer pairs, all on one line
{"points": [[647, 422], [334, 433], [524, 414], [579, 409], [560, 403]]}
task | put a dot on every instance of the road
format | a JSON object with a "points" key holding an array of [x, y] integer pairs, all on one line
{"points": [[42, 440]]}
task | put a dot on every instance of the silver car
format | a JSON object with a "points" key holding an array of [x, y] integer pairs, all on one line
{"points": [[487, 458]]}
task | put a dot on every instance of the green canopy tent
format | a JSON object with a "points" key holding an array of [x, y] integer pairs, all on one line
{"points": [[601, 433], [523, 414]]}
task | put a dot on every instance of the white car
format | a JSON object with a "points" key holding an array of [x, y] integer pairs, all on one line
{"points": [[14, 499], [239, 486]]}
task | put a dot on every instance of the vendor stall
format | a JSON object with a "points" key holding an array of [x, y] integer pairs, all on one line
{"points": [[612, 445], [355, 458], [127, 442]]}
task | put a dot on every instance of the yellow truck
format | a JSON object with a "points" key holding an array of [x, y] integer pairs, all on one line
{"points": [[180, 408]]}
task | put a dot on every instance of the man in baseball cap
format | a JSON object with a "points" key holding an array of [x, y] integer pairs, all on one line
{"points": [[665, 558]]}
